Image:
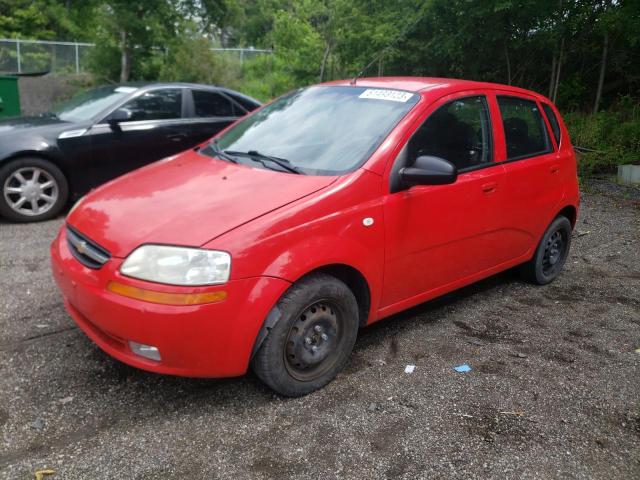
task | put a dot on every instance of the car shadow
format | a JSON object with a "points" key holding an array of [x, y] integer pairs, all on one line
{"points": [[178, 390], [121, 396]]}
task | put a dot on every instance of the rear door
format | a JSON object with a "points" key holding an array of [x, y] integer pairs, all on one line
{"points": [[533, 183], [155, 130], [209, 112]]}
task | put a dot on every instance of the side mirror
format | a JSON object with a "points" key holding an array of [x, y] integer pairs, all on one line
{"points": [[428, 170], [120, 115]]}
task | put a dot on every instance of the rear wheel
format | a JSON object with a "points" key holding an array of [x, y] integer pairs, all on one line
{"points": [[33, 189], [312, 339], [550, 255]]}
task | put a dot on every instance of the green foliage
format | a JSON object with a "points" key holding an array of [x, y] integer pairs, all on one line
{"points": [[190, 59], [267, 77], [614, 135], [46, 19], [297, 42], [550, 46]]}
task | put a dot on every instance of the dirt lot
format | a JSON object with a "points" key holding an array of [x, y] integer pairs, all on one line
{"points": [[554, 390]]}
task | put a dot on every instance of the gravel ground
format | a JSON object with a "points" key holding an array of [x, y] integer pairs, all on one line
{"points": [[554, 390]]}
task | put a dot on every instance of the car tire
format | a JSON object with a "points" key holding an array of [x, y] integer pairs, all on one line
{"points": [[38, 184], [551, 253], [312, 338]]}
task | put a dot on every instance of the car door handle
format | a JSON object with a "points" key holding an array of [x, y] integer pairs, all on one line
{"points": [[177, 137], [489, 187], [554, 168]]}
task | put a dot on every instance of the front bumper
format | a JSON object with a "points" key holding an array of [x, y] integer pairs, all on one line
{"points": [[209, 340]]}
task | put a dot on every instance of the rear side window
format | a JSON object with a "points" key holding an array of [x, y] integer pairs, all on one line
{"points": [[156, 105], [524, 128], [211, 104], [459, 131], [553, 121], [248, 105]]}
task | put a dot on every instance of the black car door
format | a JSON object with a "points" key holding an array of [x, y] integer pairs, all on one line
{"points": [[155, 129], [210, 111]]}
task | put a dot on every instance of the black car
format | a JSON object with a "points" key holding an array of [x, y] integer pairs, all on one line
{"points": [[101, 134]]}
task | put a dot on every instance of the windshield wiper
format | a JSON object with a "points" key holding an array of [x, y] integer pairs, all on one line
{"points": [[221, 153], [260, 158]]}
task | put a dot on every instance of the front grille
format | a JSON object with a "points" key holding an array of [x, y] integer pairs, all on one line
{"points": [[87, 252]]}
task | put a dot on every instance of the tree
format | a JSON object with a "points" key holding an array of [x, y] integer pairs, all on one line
{"points": [[47, 19], [130, 37]]}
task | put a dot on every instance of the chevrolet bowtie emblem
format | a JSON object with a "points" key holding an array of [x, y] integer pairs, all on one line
{"points": [[82, 247]]}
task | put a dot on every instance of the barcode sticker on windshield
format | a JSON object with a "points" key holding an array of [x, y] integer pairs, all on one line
{"points": [[391, 95], [125, 89]]}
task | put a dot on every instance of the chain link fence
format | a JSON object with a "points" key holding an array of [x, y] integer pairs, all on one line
{"points": [[242, 54], [32, 56]]}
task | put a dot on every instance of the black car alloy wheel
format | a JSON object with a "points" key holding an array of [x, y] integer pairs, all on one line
{"points": [[32, 189]]}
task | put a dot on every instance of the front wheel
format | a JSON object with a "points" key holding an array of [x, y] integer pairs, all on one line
{"points": [[32, 189], [312, 338], [551, 253]]}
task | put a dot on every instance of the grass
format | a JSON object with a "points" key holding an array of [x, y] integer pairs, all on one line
{"points": [[611, 137]]}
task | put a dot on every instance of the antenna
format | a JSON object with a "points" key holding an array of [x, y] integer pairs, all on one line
{"points": [[400, 36]]}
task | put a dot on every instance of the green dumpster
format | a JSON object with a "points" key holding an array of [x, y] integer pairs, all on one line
{"points": [[9, 97]]}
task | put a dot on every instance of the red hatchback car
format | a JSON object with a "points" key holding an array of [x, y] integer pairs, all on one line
{"points": [[330, 208]]}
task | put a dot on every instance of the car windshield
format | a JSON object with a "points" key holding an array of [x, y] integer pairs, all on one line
{"points": [[326, 130], [86, 105]]}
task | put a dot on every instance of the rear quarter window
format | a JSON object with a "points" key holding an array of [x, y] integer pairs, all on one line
{"points": [[524, 129], [553, 121], [248, 105]]}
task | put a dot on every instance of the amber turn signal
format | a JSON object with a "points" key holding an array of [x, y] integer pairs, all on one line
{"points": [[153, 296]]}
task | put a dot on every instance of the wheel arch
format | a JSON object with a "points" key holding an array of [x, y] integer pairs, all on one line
{"points": [[350, 276], [35, 154], [571, 213], [354, 280]]}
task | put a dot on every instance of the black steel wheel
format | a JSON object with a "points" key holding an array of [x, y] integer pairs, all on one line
{"points": [[313, 341], [551, 253], [554, 251], [314, 333]]}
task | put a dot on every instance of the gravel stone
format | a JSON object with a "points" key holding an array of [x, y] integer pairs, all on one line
{"points": [[570, 409]]}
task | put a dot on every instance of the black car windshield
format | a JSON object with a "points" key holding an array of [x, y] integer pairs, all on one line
{"points": [[86, 105], [326, 130]]}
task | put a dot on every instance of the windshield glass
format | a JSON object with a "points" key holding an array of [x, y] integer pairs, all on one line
{"points": [[320, 130], [86, 105]]}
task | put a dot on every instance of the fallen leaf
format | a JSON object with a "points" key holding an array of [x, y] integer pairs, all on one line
{"points": [[40, 474]]}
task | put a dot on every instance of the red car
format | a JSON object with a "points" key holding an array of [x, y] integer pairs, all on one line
{"points": [[327, 210]]}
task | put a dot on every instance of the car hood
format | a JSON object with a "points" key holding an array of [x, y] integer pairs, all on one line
{"points": [[187, 200], [30, 125]]}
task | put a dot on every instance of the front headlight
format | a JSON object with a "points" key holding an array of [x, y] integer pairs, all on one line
{"points": [[178, 265]]}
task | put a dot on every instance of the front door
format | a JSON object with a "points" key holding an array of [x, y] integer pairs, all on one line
{"points": [[155, 130], [438, 236]]}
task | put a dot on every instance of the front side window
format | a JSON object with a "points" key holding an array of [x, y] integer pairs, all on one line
{"points": [[459, 131], [325, 130], [156, 105], [211, 104], [524, 128]]}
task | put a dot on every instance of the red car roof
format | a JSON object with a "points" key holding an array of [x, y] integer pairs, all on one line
{"points": [[420, 84]]}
